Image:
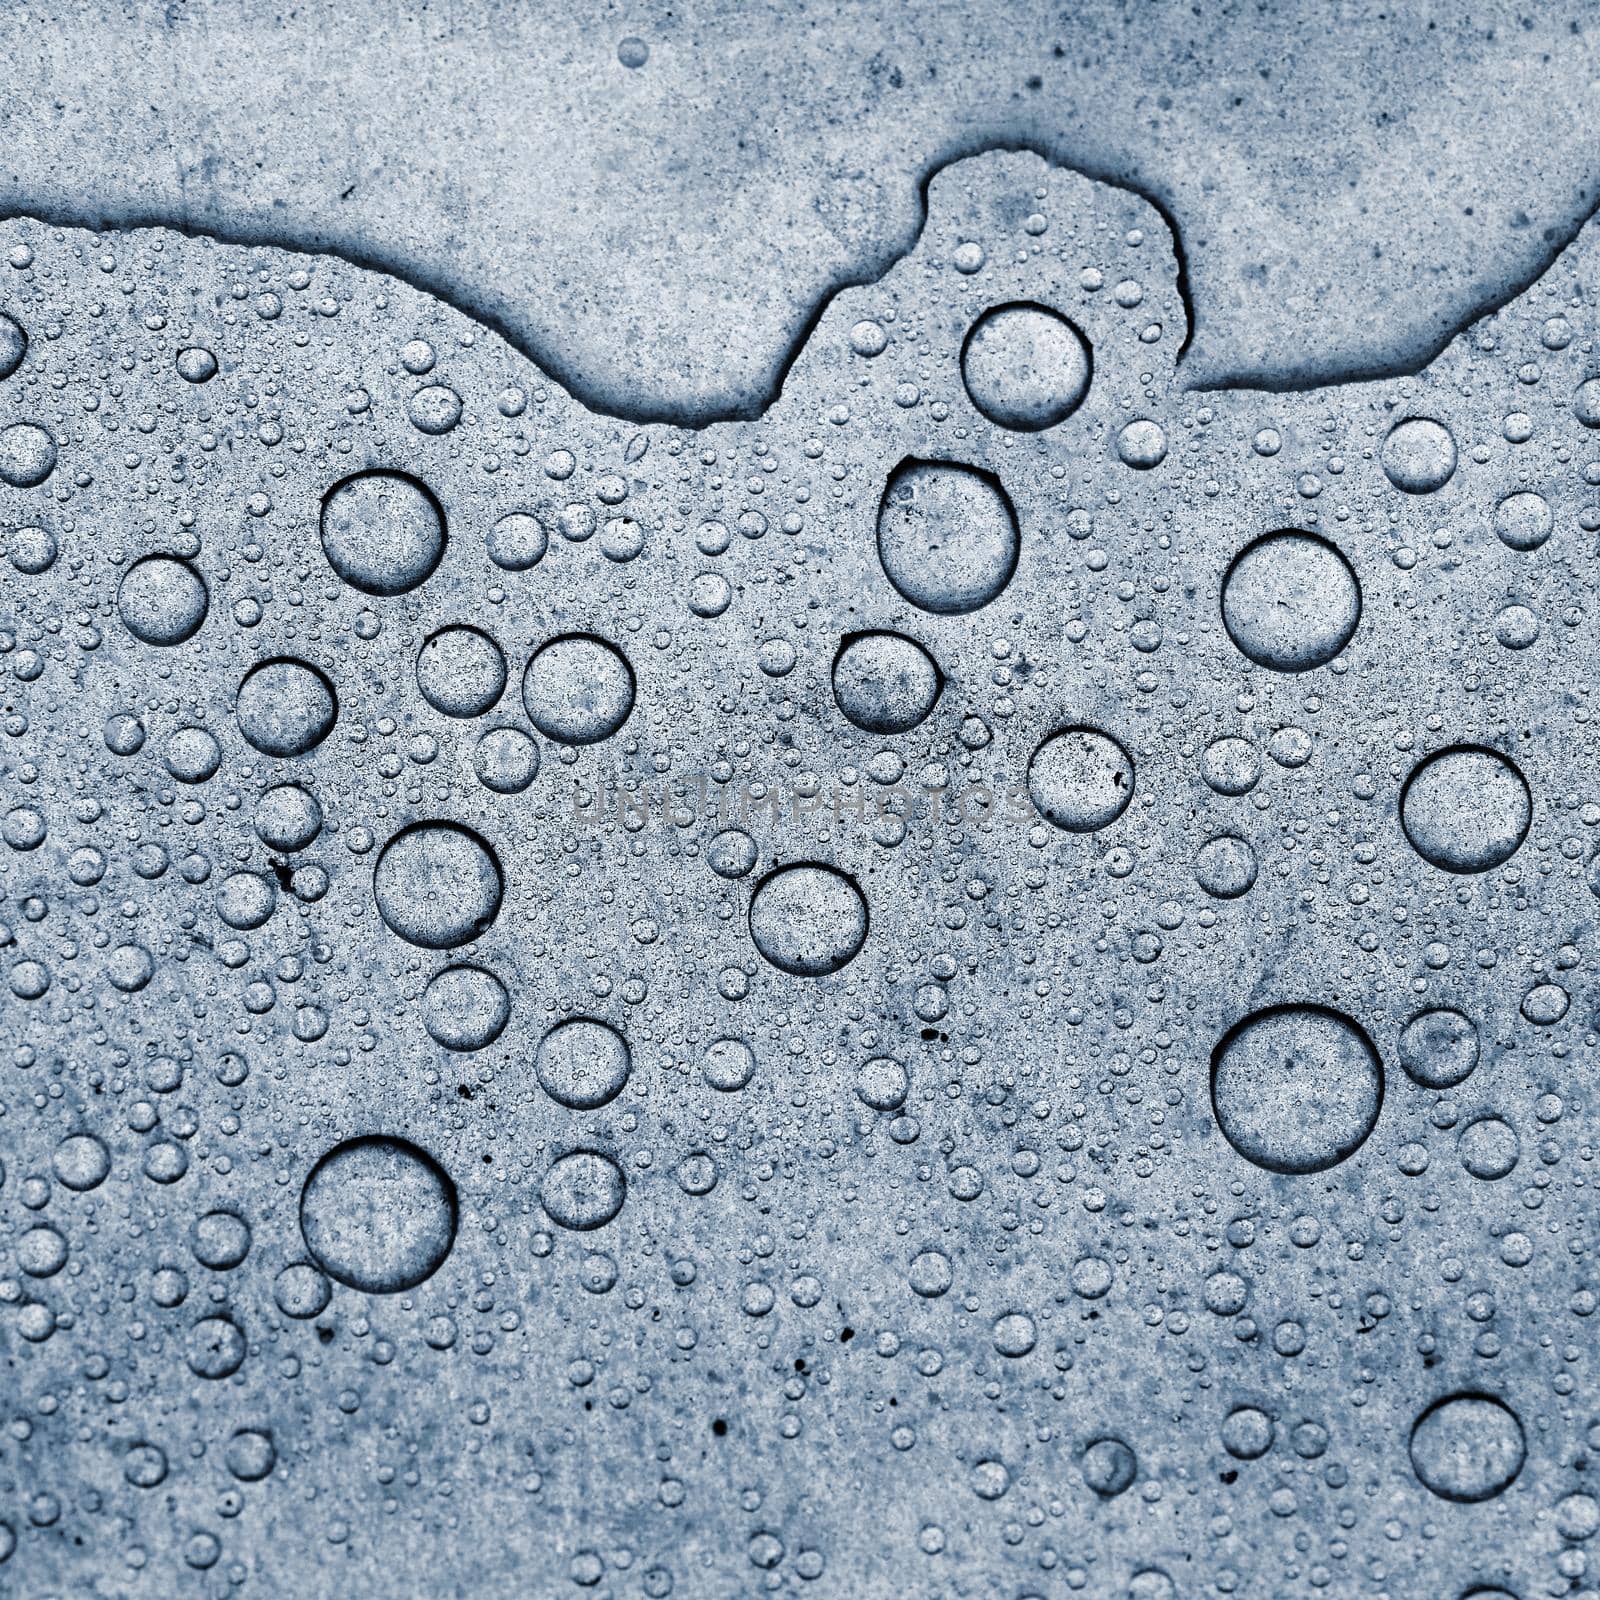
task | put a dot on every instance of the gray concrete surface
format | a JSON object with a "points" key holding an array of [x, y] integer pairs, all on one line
{"points": [[1351, 183], [975, 986]]}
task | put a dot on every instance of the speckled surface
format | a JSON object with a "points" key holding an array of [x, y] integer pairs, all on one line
{"points": [[976, 985]]}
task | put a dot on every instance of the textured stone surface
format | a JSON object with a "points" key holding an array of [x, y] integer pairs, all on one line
{"points": [[863, 1002]]}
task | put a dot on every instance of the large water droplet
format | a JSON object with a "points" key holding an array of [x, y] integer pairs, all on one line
{"points": [[378, 1214], [808, 920], [1025, 366], [1290, 601], [947, 536], [1465, 809], [1080, 779], [1467, 1447], [1296, 1088], [437, 884], [383, 532]]}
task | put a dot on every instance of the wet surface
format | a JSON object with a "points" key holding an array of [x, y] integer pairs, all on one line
{"points": [[975, 987]]}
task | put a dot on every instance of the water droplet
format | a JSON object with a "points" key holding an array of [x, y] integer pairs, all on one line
{"points": [[1025, 366], [378, 1214], [728, 1064], [162, 600], [583, 1190], [1080, 779], [1439, 1048], [383, 532], [437, 885], [578, 689], [1523, 521], [1419, 455], [286, 707], [1465, 809], [1467, 1447], [582, 1064], [518, 541], [947, 535], [808, 920], [885, 683], [1296, 1088], [1226, 867], [1142, 444], [465, 1008], [461, 671], [506, 760], [27, 455]]}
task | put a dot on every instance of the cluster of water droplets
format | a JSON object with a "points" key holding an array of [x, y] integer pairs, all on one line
{"points": [[981, 978]]}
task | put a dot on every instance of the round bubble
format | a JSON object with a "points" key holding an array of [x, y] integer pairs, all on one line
{"points": [[465, 1008], [1523, 521], [286, 707], [288, 817], [220, 1240], [808, 920], [250, 1455], [518, 541], [728, 1064], [437, 885], [1226, 867], [1296, 1088], [882, 1084], [582, 1064], [1142, 444], [1025, 366], [1465, 809], [215, 1348], [1439, 1048], [1516, 627], [1489, 1148], [246, 900], [1467, 1447], [382, 532], [947, 535], [885, 683], [461, 671], [378, 1214], [162, 600], [583, 1190], [27, 455], [1419, 455], [506, 760], [578, 689], [301, 1291], [1290, 601], [1080, 779], [1231, 766]]}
